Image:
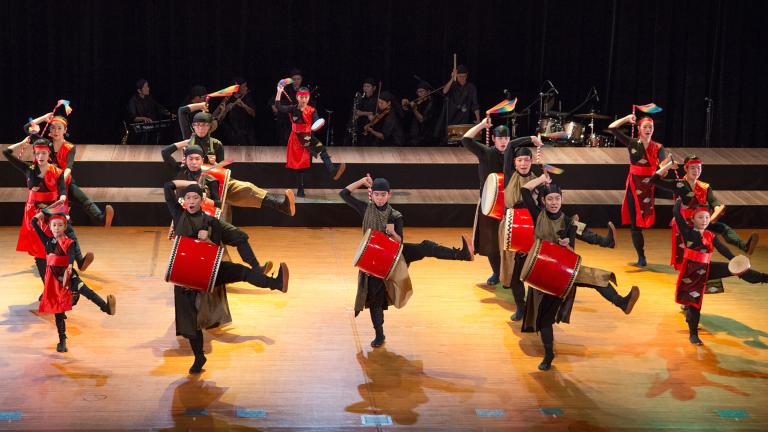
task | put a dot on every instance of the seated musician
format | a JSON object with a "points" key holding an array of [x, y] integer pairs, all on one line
{"points": [[143, 108], [425, 113], [375, 293], [237, 120], [365, 104], [385, 126], [552, 225], [461, 98], [190, 221]]}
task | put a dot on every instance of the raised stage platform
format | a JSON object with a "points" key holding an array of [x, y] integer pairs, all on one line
{"points": [[433, 186], [302, 361]]}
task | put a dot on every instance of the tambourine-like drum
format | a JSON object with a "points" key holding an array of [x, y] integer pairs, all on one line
{"points": [[222, 175], [551, 268], [739, 265], [518, 230], [378, 254], [194, 263], [317, 125], [492, 200]]}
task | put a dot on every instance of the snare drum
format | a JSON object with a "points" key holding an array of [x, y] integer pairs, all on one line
{"points": [[378, 254], [551, 268], [549, 125], [739, 265], [492, 199], [599, 141], [518, 230], [575, 131], [194, 264]]}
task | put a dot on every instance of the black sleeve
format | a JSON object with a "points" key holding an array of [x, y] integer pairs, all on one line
{"points": [[213, 187], [473, 105], [662, 153], [71, 255], [40, 233], [61, 185], [170, 162], [722, 248], [132, 111], [682, 225], [182, 115], [174, 208], [530, 203], [711, 198], [284, 108], [353, 202], [219, 152], [17, 163], [71, 158], [399, 227], [663, 183], [621, 136], [474, 146], [315, 116]]}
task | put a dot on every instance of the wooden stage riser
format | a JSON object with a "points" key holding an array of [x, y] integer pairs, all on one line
{"points": [[341, 215]]}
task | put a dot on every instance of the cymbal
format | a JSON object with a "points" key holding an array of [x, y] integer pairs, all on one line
{"points": [[512, 115], [595, 116], [554, 114]]}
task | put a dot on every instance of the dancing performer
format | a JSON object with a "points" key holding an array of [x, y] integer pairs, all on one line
{"points": [[46, 185], [302, 145], [637, 209], [552, 225], [517, 172], [377, 294], [63, 286], [694, 193], [190, 221], [63, 156], [697, 268]]}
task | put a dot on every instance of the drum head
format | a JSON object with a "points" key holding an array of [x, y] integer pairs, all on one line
{"points": [[739, 265], [316, 126], [363, 245], [490, 190]]}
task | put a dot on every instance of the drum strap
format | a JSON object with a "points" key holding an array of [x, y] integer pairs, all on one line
{"points": [[376, 219]]}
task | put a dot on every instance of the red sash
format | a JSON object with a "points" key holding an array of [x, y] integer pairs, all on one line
{"points": [[57, 298], [694, 271], [297, 156]]}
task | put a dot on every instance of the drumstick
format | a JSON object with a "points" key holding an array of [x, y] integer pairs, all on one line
{"points": [[716, 215], [221, 164]]}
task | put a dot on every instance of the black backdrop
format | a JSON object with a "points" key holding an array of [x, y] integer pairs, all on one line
{"points": [[674, 53]]}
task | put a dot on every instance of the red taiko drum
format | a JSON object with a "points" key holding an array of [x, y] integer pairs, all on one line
{"points": [[551, 268], [378, 254], [492, 199], [518, 230], [194, 263]]}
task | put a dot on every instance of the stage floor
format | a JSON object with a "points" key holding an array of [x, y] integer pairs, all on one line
{"points": [[452, 360]]}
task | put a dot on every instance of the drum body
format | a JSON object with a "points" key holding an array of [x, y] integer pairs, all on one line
{"points": [[492, 199], [378, 254], [221, 174], [194, 264], [549, 125], [575, 132], [518, 230], [551, 268], [456, 132], [739, 265], [598, 141]]}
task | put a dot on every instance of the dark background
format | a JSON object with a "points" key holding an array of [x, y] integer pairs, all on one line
{"points": [[673, 53]]}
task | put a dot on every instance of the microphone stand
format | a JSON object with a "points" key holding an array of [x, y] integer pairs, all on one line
{"points": [[329, 129], [708, 130]]}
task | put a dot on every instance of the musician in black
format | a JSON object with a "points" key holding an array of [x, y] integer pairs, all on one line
{"points": [[142, 108], [195, 101], [237, 118], [460, 98], [366, 109], [422, 114], [385, 127]]}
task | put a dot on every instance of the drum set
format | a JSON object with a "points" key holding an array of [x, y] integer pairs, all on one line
{"points": [[578, 133]]}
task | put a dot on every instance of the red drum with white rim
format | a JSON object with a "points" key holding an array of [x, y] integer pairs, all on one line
{"points": [[492, 199], [551, 268], [194, 263], [518, 230], [378, 254]]}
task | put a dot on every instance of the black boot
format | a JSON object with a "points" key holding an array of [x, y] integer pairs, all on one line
{"points": [[431, 249], [259, 279], [519, 312], [751, 244], [196, 344], [639, 243], [300, 183], [692, 316], [285, 204], [86, 261], [609, 240], [626, 303], [377, 319], [335, 170], [379, 340], [61, 327], [549, 355]]}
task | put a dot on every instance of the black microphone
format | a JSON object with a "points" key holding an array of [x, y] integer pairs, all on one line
{"points": [[597, 98]]}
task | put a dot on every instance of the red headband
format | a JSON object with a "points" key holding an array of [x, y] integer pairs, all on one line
{"points": [[58, 119], [643, 120], [692, 162], [37, 147], [700, 209], [57, 216], [302, 93]]}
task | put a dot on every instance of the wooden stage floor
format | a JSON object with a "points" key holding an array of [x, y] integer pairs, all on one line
{"points": [[452, 361]]}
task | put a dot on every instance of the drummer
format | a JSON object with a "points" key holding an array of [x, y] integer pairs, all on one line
{"points": [[517, 172], [372, 292], [190, 221], [696, 268], [490, 160], [637, 209], [211, 151], [552, 225], [695, 193]]}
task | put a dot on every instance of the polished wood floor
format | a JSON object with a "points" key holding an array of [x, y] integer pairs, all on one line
{"points": [[301, 360]]}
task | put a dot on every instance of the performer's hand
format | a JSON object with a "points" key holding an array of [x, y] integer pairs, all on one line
{"points": [[564, 242], [38, 215], [202, 235], [212, 159], [631, 118], [545, 178], [370, 116], [454, 74], [537, 141], [367, 181], [488, 123]]}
